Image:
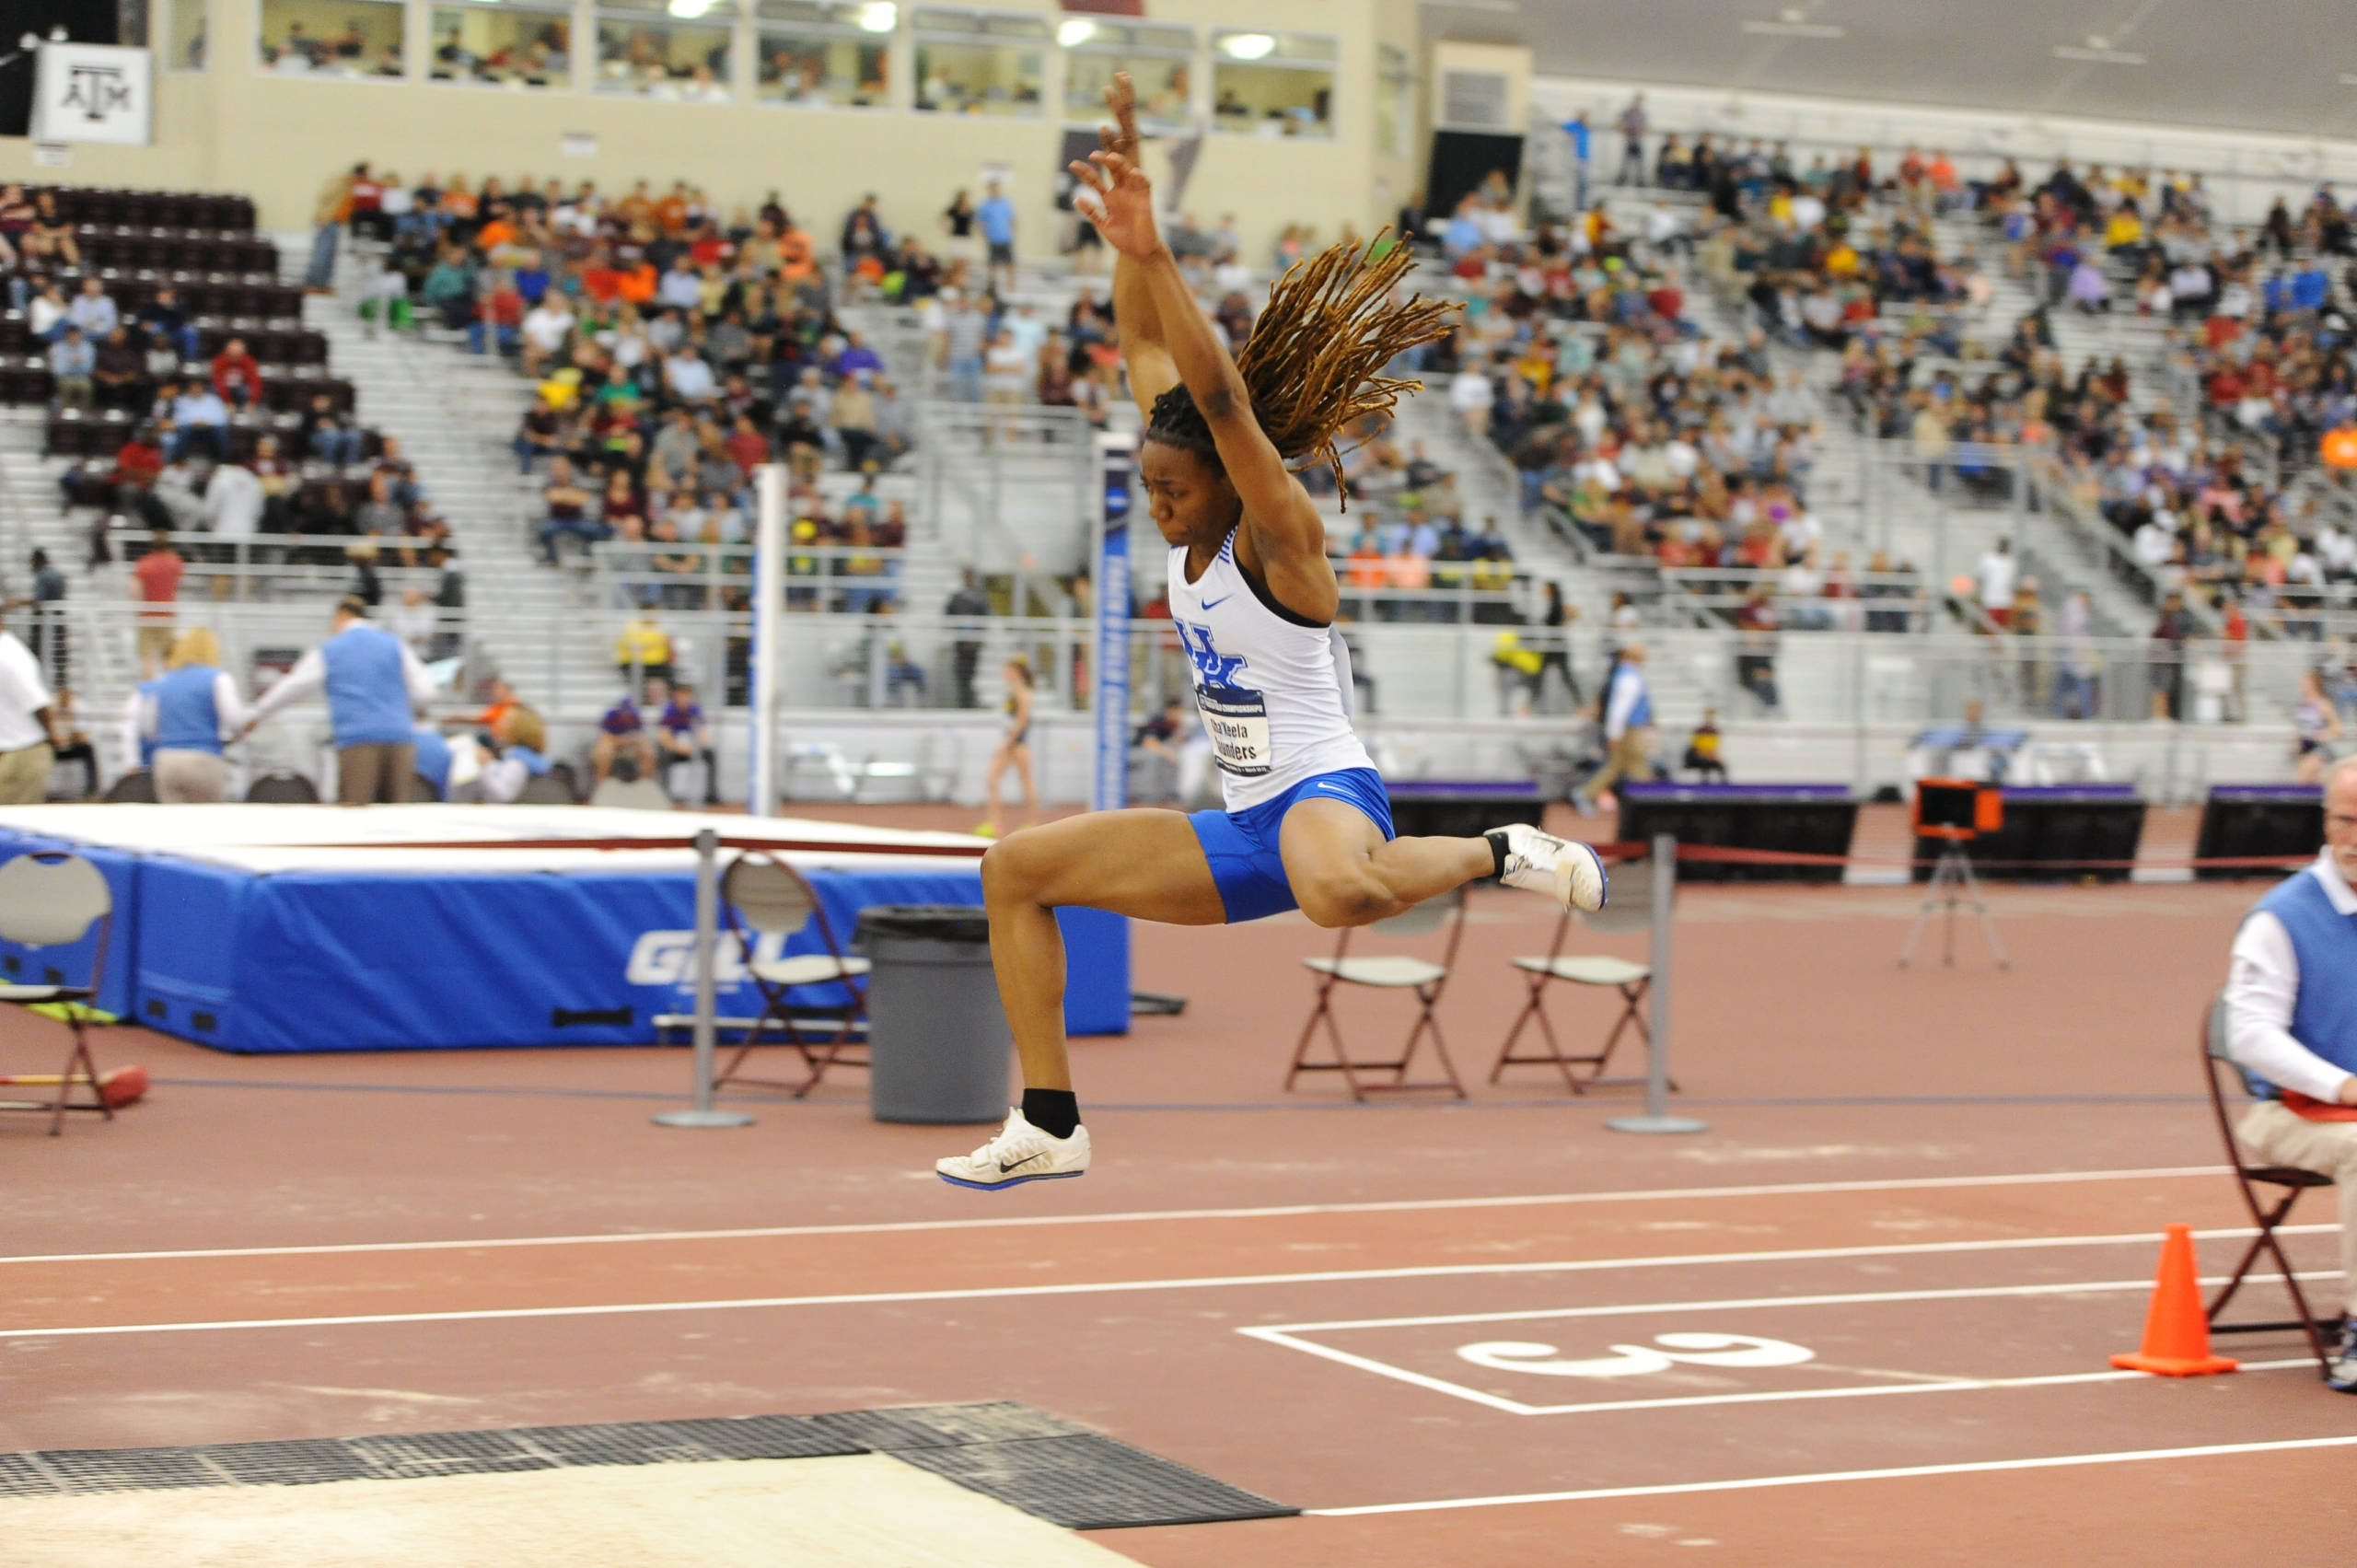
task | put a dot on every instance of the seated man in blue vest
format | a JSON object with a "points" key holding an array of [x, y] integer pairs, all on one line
{"points": [[523, 748], [433, 757], [2291, 1024], [182, 715], [375, 687]]}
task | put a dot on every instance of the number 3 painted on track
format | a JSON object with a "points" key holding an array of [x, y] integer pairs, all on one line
{"points": [[1635, 1361]]}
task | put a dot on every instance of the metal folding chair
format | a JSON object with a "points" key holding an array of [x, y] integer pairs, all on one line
{"points": [[1625, 978], [283, 788], [1389, 971], [547, 789], [2267, 1210], [49, 898], [762, 896], [632, 795]]}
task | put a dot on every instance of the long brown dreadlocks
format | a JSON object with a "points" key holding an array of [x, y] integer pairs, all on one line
{"points": [[1310, 364]]}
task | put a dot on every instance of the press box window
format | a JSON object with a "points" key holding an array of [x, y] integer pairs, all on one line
{"points": [[1272, 84], [825, 54], [503, 46], [1160, 61], [979, 62], [679, 49], [331, 38]]}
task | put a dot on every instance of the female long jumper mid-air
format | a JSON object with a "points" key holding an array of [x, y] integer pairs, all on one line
{"points": [[1253, 599]]}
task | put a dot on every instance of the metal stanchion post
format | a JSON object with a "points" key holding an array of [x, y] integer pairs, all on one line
{"points": [[1657, 1118], [703, 1114]]}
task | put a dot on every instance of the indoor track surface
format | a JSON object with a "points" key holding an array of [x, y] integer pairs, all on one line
{"points": [[1863, 1319]]}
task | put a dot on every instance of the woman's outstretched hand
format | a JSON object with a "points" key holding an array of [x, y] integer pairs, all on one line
{"points": [[1118, 198]]}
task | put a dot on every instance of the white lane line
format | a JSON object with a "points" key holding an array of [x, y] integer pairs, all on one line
{"points": [[1286, 1335], [1753, 1483], [1150, 1216], [1452, 1318], [1110, 1287]]}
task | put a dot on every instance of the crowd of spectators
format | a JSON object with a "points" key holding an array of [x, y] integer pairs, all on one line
{"points": [[676, 348], [1645, 437]]}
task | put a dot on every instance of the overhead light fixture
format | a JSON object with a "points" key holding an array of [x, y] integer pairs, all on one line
{"points": [[2098, 56], [1474, 4], [1247, 45], [689, 10], [878, 15], [1782, 29], [1074, 30]]}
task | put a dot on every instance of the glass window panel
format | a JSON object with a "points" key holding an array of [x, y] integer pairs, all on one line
{"points": [[981, 77], [502, 47], [1093, 33], [331, 38], [1308, 48], [665, 58], [1165, 87], [824, 69], [1272, 84], [184, 50]]}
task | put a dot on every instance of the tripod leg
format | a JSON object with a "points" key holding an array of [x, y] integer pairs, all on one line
{"points": [[1922, 915], [1988, 926]]}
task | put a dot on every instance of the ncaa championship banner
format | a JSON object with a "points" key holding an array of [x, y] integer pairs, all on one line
{"points": [[92, 92]]}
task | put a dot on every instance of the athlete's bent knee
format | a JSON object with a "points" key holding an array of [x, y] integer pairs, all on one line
{"points": [[1010, 871], [1350, 898]]}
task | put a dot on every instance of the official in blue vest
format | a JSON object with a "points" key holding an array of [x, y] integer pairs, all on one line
{"points": [[523, 746], [432, 755], [182, 715], [2291, 1024], [138, 743], [374, 688], [1628, 728]]}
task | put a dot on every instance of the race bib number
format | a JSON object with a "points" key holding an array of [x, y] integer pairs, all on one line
{"points": [[1238, 722]]}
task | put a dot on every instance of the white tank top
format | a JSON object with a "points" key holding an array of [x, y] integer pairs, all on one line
{"points": [[1275, 694]]}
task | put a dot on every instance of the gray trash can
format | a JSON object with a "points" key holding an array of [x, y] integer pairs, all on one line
{"points": [[936, 1034]]}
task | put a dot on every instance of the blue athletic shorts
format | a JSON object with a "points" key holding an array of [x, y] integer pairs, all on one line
{"points": [[1242, 845]]}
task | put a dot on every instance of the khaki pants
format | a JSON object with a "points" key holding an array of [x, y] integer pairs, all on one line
{"points": [[1631, 759], [24, 774], [2270, 1135], [192, 778], [375, 774]]}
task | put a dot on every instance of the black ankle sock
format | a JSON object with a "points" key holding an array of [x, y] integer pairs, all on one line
{"points": [[1053, 1112], [1497, 851]]}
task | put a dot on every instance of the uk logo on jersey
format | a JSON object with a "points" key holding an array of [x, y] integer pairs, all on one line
{"points": [[1211, 668]]}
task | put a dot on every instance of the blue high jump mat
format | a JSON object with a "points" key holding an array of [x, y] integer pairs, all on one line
{"points": [[305, 929]]}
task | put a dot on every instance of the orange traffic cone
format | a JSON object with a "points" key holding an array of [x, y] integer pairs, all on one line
{"points": [[2177, 1328]]}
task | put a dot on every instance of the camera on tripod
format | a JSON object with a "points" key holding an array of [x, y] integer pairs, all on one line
{"points": [[1958, 810]]}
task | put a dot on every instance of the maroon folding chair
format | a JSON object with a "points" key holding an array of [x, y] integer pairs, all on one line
{"points": [[1624, 978], [1389, 971], [760, 897], [51, 899], [2268, 1210]]}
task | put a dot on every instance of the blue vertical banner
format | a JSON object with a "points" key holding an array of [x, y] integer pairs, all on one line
{"points": [[1117, 479]]}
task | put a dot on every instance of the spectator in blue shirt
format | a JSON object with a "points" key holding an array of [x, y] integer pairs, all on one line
{"points": [[683, 736], [1463, 236], [997, 215], [92, 312], [1576, 129], [199, 419], [72, 362]]}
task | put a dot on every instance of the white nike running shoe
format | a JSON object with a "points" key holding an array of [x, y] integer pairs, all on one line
{"points": [[1542, 862], [1019, 1153]]}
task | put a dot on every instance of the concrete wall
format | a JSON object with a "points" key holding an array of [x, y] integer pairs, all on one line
{"points": [[233, 127]]}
